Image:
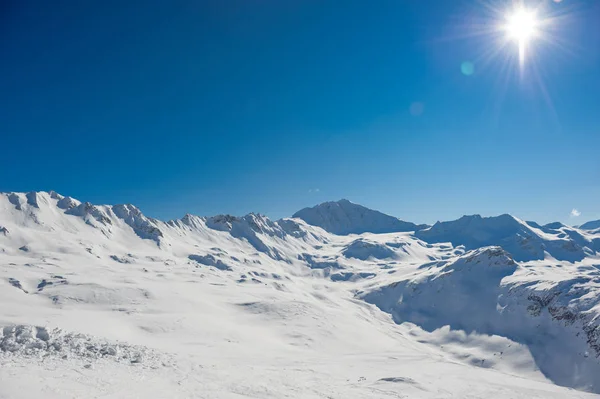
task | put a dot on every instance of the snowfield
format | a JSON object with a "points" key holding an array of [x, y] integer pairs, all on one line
{"points": [[102, 301]]}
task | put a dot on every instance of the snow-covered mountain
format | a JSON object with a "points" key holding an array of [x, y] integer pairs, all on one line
{"points": [[524, 240], [101, 300], [591, 225], [344, 217]]}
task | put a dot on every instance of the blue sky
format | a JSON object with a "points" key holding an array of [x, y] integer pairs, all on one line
{"points": [[214, 107]]}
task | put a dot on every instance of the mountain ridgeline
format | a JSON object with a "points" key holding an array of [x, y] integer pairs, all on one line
{"points": [[536, 286]]}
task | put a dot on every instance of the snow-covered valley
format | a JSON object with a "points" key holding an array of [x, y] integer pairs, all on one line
{"points": [[102, 301]]}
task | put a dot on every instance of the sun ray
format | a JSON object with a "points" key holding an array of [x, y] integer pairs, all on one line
{"points": [[501, 85], [544, 90], [490, 54]]}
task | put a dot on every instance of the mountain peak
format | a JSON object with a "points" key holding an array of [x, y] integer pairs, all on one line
{"points": [[344, 217], [344, 201]]}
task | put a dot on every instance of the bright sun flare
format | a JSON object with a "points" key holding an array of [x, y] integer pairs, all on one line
{"points": [[522, 26]]}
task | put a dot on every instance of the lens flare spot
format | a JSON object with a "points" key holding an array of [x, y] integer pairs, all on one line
{"points": [[467, 68]]}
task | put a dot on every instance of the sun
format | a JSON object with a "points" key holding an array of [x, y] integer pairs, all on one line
{"points": [[522, 26]]}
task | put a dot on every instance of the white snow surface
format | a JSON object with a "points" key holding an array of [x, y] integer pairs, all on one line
{"points": [[102, 301]]}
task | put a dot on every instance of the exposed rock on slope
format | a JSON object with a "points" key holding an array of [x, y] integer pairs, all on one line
{"points": [[90, 213], [210, 260], [144, 227]]}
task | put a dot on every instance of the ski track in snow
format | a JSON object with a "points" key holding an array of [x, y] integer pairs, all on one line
{"points": [[101, 301]]}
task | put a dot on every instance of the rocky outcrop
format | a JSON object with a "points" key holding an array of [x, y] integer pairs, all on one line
{"points": [[144, 227], [90, 213], [67, 203], [210, 260], [14, 199]]}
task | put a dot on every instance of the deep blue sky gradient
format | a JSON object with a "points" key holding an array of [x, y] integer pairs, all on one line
{"points": [[235, 106]]}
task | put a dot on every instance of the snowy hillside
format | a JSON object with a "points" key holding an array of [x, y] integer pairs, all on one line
{"points": [[486, 292], [103, 301], [344, 217]]}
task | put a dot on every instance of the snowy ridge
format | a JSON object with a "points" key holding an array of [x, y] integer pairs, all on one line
{"points": [[248, 306], [524, 240]]}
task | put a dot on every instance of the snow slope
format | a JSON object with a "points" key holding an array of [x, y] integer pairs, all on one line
{"points": [[344, 217], [102, 301]]}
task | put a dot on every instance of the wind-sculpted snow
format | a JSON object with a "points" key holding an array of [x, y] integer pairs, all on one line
{"points": [[251, 307], [344, 217]]}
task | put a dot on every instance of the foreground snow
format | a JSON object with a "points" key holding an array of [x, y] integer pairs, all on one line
{"points": [[100, 301]]}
